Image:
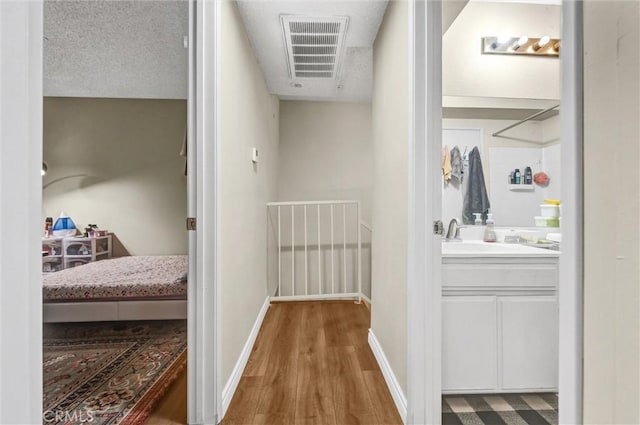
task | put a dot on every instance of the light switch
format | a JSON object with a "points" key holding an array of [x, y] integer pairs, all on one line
{"points": [[254, 155]]}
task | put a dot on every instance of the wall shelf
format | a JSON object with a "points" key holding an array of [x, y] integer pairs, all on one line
{"points": [[63, 253], [521, 187]]}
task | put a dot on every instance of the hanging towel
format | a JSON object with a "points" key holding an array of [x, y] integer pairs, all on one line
{"points": [[446, 164], [456, 165], [475, 198]]}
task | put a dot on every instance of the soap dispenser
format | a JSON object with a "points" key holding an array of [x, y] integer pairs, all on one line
{"points": [[478, 220], [489, 231]]}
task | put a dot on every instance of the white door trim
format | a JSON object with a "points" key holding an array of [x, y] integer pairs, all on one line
{"points": [[204, 383], [570, 291], [21, 31], [424, 256], [571, 259]]}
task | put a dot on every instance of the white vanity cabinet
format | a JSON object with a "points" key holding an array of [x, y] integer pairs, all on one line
{"points": [[469, 343], [499, 324], [529, 342]]}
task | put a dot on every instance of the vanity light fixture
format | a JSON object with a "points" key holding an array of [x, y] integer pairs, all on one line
{"points": [[544, 46]]}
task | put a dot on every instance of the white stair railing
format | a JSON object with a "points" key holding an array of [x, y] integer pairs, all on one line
{"points": [[365, 288], [327, 227]]}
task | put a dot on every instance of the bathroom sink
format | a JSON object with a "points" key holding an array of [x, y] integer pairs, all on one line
{"points": [[494, 249]]}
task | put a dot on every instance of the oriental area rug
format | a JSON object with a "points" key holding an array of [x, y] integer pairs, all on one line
{"points": [[109, 373]]}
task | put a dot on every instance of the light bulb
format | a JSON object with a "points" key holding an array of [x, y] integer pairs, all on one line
{"points": [[543, 41], [503, 39], [521, 42]]}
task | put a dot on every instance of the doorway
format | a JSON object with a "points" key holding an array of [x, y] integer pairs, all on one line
{"points": [[569, 383], [423, 397], [115, 260]]}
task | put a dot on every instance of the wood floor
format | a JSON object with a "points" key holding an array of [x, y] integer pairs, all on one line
{"points": [[172, 408], [311, 364]]}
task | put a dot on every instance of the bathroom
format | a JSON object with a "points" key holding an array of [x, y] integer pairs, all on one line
{"points": [[501, 245]]}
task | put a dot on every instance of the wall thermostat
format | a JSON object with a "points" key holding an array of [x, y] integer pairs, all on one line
{"points": [[254, 155]]}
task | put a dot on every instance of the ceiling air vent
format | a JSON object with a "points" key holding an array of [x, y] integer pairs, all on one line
{"points": [[314, 45]]}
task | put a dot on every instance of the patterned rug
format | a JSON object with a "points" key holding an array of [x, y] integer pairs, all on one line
{"points": [[108, 373], [500, 409]]}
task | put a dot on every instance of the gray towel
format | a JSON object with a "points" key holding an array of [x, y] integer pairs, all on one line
{"points": [[475, 198], [456, 164]]}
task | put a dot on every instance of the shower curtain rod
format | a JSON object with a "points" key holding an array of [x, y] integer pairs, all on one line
{"points": [[529, 118]]}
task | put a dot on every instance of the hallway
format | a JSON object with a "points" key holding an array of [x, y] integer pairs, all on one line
{"points": [[311, 364]]}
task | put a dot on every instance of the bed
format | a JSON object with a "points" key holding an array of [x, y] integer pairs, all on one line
{"points": [[125, 288]]}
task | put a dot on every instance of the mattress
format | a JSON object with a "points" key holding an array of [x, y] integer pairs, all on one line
{"points": [[124, 278]]}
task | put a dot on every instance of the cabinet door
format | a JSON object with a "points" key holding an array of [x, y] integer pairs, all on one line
{"points": [[469, 343], [529, 342]]}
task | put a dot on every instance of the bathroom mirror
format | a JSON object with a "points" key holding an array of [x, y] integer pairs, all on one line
{"points": [[507, 105]]}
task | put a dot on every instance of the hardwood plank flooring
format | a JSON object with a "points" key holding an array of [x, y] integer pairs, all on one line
{"points": [[172, 408], [311, 364]]}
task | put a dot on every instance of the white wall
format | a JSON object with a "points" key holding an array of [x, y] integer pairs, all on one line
{"points": [[249, 118], [116, 163], [467, 72], [611, 208], [326, 152], [390, 187]]}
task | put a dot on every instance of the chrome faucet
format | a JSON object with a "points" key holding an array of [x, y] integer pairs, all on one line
{"points": [[453, 232]]}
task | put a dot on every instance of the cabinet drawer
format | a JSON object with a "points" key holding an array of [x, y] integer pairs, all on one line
{"points": [[500, 275]]}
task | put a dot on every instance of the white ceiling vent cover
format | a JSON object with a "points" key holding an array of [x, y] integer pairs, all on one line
{"points": [[314, 45]]}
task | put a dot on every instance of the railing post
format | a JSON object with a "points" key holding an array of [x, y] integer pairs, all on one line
{"points": [[344, 248], [279, 256], [332, 268], [293, 252], [359, 252], [306, 258], [319, 256]]}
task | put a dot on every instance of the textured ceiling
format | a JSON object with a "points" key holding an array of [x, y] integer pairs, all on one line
{"points": [[121, 49], [262, 22]]}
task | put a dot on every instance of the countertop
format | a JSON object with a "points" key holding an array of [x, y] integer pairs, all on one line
{"points": [[475, 248]]}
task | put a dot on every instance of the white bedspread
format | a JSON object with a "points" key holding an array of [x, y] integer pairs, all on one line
{"points": [[135, 277]]}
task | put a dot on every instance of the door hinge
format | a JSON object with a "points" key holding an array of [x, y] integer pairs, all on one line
{"points": [[438, 227], [191, 223]]}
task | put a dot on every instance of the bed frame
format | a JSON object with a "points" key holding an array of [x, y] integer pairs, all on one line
{"points": [[99, 311], [134, 289]]}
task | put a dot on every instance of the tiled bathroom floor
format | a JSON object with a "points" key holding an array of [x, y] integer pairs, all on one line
{"points": [[498, 409]]}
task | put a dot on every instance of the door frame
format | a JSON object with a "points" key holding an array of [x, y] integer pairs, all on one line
{"points": [[21, 55], [204, 334], [424, 318], [425, 328], [21, 60], [423, 288], [570, 292]]}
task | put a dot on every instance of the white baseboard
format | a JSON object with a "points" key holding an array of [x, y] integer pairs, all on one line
{"points": [[232, 384], [390, 378]]}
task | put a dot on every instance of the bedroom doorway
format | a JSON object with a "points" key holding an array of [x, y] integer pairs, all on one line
{"points": [[116, 192]]}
